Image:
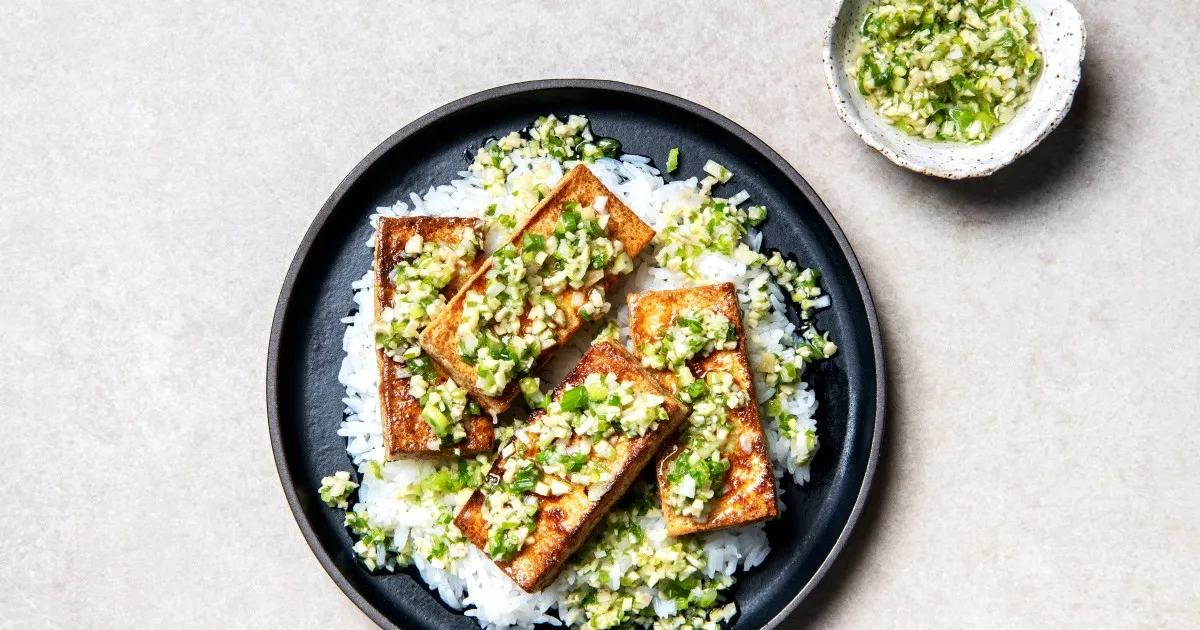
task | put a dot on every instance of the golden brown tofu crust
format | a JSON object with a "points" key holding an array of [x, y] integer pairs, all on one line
{"points": [[440, 339], [565, 522], [405, 434], [749, 495]]}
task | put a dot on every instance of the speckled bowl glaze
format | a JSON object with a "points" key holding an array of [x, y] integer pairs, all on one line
{"points": [[1061, 35]]}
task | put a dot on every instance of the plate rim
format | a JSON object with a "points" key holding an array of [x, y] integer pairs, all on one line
{"points": [[793, 176]]}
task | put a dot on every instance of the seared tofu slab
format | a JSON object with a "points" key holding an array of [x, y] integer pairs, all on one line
{"points": [[566, 511], [579, 188], [749, 486], [406, 435]]}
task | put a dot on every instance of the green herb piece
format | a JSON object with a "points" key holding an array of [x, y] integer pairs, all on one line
{"points": [[673, 160], [574, 399]]}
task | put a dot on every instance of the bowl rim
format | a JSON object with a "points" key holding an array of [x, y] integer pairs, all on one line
{"points": [[286, 294], [1053, 117]]}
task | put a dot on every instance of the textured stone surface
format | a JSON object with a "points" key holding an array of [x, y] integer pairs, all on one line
{"points": [[161, 160]]}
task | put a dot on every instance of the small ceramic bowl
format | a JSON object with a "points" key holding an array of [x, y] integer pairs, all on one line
{"points": [[1061, 35]]}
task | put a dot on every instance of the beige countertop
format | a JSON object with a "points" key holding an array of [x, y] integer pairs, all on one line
{"points": [[160, 163]]}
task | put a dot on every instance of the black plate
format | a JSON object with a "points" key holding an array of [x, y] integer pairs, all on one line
{"points": [[304, 397]]}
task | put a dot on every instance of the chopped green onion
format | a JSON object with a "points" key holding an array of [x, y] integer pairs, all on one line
{"points": [[335, 490], [721, 173], [533, 393], [947, 69], [574, 398], [610, 146], [533, 242], [526, 478], [756, 215]]}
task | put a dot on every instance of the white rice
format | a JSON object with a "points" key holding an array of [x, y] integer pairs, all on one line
{"points": [[478, 586]]}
